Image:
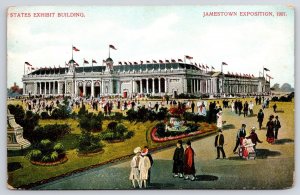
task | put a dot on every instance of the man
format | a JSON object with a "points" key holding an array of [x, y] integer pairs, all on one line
{"points": [[246, 106], [240, 134], [189, 166], [193, 106], [178, 159], [254, 138], [144, 166], [219, 142], [274, 108], [277, 126], [156, 106], [134, 173], [260, 118]]}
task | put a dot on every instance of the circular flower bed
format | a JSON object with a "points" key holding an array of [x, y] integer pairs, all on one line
{"points": [[160, 134], [60, 161]]}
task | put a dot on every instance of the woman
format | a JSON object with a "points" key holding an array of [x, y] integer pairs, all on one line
{"points": [[178, 158], [144, 166], [219, 119], [270, 130], [134, 173]]}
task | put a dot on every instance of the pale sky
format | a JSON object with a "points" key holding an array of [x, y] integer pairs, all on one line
{"points": [[245, 43]]}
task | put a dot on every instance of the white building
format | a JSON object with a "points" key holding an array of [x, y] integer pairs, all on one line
{"points": [[156, 79]]}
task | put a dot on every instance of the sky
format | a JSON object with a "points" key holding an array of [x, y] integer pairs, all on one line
{"points": [[245, 43]]}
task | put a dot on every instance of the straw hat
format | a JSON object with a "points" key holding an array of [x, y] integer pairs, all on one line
{"points": [[137, 150]]}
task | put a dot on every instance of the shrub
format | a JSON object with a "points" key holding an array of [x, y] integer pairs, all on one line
{"points": [[90, 122], [118, 116], [51, 132], [116, 131], [35, 154], [47, 151], [132, 115], [45, 115], [89, 142], [63, 111]]}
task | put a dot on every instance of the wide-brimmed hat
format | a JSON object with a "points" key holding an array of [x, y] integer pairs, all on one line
{"points": [[137, 150], [253, 128]]}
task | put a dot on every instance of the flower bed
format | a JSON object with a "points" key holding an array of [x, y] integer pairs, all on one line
{"points": [[60, 161], [155, 137]]}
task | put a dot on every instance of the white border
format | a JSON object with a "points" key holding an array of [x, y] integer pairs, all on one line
{"points": [[4, 4]]}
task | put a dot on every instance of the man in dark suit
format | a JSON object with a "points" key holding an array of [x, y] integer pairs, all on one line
{"points": [[240, 134], [219, 143], [277, 126], [260, 118]]}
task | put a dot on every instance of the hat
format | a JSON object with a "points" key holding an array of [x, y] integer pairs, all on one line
{"points": [[188, 142], [219, 130], [137, 150], [243, 125], [276, 116], [144, 152], [180, 142], [253, 129]]}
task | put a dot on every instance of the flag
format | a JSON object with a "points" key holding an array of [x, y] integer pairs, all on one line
{"points": [[224, 63], [135, 63], [94, 61], [172, 60], [148, 61], [113, 47], [167, 61], [125, 63], [27, 63], [266, 69], [120, 63], [212, 67], [154, 61], [75, 49], [160, 61], [228, 72], [141, 61], [130, 63], [196, 64], [207, 66], [85, 62], [75, 64], [252, 75], [32, 68], [180, 60], [188, 57]]}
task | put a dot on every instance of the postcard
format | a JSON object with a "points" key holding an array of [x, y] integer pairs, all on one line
{"points": [[150, 97]]}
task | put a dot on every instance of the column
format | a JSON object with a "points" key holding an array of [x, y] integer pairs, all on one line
{"points": [[133, 86], [166, 88], [153, 85], [76, 88], [102, 90], [159, 85], [147, 85], [34, 88], [191, 85], [141, 86], [58, 88], [92, 89], [84, 89], [45, 88], [65, 87]]}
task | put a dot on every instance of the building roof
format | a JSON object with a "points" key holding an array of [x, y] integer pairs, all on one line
{"points": [[117, 68]]}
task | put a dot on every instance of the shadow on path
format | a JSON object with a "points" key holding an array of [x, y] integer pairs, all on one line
{"points": [[14, 166], [283, 141], [279, 111], [228, 126], [206, 178], [265, 153]]}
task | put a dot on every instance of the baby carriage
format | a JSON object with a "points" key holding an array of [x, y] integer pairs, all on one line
{"points": [[246, 149]]}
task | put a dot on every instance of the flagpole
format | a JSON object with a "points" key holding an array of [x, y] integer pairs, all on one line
{"points": [[109, 51], [92, 65], [72, 52], [24, 68], [264, 72]]}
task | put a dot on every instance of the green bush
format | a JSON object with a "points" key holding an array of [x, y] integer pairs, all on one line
{"points": [[116, 131], [35, 154], [63, 111], [45, 115], [51, 132], [89, 142], [90, 122]]}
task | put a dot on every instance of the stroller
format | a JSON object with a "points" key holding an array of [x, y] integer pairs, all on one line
{"points": [[246, 149]]}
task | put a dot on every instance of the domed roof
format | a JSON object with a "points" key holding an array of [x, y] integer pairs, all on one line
{"points": [[109, 59], [71, 61]]}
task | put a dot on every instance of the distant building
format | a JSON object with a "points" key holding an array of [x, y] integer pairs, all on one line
{"points": [[156, 79]]}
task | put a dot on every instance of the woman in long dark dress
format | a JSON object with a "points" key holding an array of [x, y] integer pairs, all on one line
{"points": [[178, 158], [270, 130]]}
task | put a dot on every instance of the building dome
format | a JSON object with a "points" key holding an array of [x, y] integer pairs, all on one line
{"points": [[71, 61], [109, 60]]}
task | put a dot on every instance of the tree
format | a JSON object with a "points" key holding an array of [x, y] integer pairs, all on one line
{"points": [[286, 87], [276, 87]]}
